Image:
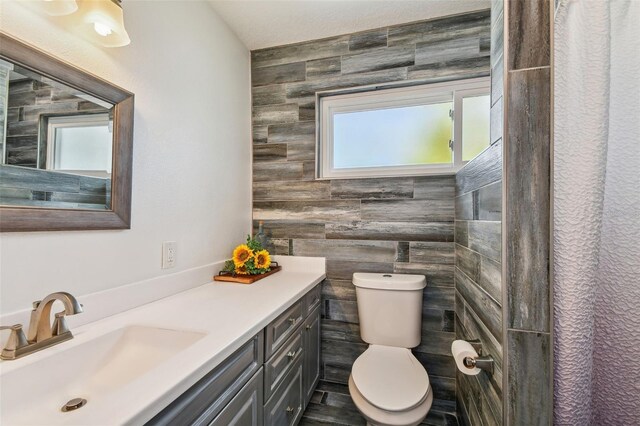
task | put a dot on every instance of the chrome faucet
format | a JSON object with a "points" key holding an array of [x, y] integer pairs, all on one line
{"points": [[41, 333]]}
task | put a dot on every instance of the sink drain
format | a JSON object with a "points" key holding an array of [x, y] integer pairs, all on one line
{"points": [[73, 404]]}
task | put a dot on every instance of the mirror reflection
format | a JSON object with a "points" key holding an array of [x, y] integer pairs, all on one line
{"points": [[56, 143]]}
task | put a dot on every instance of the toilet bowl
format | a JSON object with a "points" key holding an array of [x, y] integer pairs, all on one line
{"points": [[390, 387], [388, 384]]}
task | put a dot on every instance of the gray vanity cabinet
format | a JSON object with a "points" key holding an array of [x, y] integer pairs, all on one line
{"points": [[292, 372], [245, 409], [279, 330], [205, 400], [312, 299], [286, 405], [277, 367], [268, 381], [311, 359]]}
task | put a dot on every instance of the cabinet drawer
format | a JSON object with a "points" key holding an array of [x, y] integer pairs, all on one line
{"points": [[283, 361], [282, 327], [245, 409], [285, 406], [312, 298], [201, 403]]}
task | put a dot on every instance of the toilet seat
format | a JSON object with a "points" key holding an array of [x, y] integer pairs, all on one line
{"points": [[377, 417], [390, 378]]}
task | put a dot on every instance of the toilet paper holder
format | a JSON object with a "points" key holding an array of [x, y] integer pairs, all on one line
{"points": [[483, 362]]}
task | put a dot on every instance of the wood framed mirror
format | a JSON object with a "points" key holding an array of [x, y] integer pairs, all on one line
{"points": [[67, 145]]}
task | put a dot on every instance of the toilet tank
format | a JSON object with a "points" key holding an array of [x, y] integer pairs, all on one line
{"points": [[390, 308]]}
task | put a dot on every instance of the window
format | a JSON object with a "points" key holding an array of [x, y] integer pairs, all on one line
{"points": [[80, 144], [417, 130]]}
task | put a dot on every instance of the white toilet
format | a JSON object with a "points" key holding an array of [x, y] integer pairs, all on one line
{"points": [[387, 383]]}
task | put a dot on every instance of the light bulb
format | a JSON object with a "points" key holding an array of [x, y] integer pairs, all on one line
{"points": [[102, 29]]}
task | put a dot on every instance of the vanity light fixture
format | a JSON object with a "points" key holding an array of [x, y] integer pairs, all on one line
{"points": [[59, 7], [103, 22]]}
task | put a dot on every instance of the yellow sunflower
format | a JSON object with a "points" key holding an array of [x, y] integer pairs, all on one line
{"points": [[261, 259], [241, 270], [241, 254]]}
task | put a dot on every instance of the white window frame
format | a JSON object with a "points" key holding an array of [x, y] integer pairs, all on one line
{"points": [[85, 120], [377, 97]]}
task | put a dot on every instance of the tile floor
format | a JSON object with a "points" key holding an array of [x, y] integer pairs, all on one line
{"points": [[332, 405]]}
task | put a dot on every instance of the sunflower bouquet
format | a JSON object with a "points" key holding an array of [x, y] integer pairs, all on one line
{"points": [[249, 259]]}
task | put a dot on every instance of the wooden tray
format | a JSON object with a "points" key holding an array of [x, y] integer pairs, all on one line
{"points": [[246, 279]]}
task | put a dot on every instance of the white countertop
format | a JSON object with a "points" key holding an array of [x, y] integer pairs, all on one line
{"points": [[228, 314]]}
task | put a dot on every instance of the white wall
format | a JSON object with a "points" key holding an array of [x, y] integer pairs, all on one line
{"points": [[191, 180]]}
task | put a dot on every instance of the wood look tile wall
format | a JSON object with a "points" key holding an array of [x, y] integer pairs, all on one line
{"points": [[404, 224], [512, 319], [30, 100], [478, 254], [528, 151], [26, 186]]}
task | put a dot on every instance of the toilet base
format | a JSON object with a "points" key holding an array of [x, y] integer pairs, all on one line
{"points": [[378, 417]]}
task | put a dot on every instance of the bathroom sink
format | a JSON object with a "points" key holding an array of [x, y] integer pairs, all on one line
{"points": [[92, 370]]}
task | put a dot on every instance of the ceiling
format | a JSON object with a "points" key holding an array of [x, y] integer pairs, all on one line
{"points": [[267, 23]]}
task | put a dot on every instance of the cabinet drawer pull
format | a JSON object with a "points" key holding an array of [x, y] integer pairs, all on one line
{"points": [[292, 320], [291, 355], [308, 327], [290, 410]]}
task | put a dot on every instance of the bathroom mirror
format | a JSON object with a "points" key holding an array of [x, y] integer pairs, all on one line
{"points": [[65, 145]]}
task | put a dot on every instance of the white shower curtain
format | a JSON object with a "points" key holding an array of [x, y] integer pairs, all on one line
{"points": [[597, 212]]}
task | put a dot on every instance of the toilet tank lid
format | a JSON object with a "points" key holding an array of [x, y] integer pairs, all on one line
{"points": [[389, 281]]}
